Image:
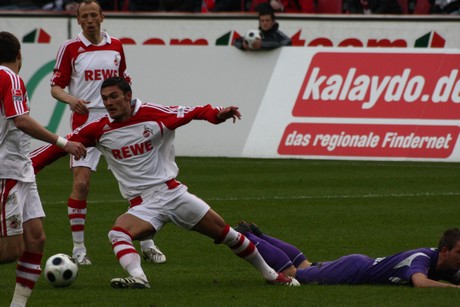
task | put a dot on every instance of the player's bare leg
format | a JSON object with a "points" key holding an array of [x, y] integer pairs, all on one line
{"points": [[214, 226], [292, 270], [77, 209], [11, 248], [150, 252], [28, 269]]}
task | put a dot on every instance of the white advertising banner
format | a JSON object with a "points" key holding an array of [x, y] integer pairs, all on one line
{"points": [[360, 104], [397, 103]]}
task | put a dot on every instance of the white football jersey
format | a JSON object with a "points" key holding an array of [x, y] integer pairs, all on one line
{"points": [[140, 152], [14, 144], [82, 67]]}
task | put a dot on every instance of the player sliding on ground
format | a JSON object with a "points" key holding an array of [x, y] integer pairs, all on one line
{"points": [[421, 268], [137, 140]]}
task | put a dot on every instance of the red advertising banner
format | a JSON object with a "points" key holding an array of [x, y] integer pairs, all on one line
{"points": [[381, 85], [368, 140]]}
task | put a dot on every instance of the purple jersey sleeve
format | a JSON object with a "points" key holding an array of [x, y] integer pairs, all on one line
{"points": [[399, 268]]}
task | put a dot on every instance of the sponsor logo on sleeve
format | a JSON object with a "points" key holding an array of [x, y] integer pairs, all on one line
{"points": [[17, 95]]}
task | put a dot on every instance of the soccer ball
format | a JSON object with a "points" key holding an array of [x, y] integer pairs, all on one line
{"points": [[61, 270], [251, 36]]}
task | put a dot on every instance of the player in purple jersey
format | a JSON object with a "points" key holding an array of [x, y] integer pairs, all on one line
{"points": [[421, 268]]}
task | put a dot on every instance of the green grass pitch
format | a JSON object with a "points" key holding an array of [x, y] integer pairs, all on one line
{"points": [[326, 208]]}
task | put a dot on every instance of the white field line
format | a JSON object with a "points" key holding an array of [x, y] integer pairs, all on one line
{"points": [[389, 195]]}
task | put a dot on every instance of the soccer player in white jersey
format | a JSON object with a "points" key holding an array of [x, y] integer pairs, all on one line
{"points": [[21, 232], [137, 140], [81, 65]]}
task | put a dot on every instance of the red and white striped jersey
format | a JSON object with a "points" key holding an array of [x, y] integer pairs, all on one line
{"points": [[82, 67], [14, 144], [140, 152]]}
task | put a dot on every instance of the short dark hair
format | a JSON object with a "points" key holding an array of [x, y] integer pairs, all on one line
{"points": [[449, 238], [120, 82], [265, 9], [88, 2], [9, 47]]}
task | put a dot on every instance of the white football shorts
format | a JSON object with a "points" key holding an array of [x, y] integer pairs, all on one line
{"points": [[19, 202], [161, 205]]}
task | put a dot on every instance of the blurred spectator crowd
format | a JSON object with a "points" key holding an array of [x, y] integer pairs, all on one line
{"points": [[418, 7]]}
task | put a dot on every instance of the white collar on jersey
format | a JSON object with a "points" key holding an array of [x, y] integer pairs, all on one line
{"points": [[6, 68], [137, 104], [105, 39]]}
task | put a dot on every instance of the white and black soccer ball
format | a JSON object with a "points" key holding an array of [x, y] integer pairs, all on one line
{"points": [[251, 36], [61, 270]]}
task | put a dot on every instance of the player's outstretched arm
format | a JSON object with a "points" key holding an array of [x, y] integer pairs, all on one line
{"points": [[420, 280], [30, 126], [76, 149], [229, 112]]}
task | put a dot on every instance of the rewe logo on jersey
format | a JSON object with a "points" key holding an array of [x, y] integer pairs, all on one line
{"points": [[100, 74], [381, 85], [132, 150]]}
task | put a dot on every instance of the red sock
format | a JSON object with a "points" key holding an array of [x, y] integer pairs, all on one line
{"points": [[76, 210], [28, 269]]}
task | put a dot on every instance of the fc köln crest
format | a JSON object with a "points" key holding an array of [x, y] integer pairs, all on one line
{"points": [[147, 132]]}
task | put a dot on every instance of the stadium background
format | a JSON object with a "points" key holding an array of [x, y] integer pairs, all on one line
{"points": [[188, 60], [326, 208]]}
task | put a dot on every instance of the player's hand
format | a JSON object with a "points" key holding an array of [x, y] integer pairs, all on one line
{"points": [[245, 45], [257, 44], [229, 112], [79, 106], [76, 149]]}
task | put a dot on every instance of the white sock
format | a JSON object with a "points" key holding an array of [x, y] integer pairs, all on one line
{"points": [[127, 255], [21, 295], [245, 249]]}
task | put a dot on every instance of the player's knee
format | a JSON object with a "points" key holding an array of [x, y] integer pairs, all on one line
{"points": [[112, 235], [41, 239], [34, 236], [81, 187], [117, 234], [36, 243]]}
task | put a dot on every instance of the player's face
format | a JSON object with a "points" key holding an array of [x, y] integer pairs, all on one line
{"points": [[453, 257], [117, 104], [266, 22], [90, 18]]}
